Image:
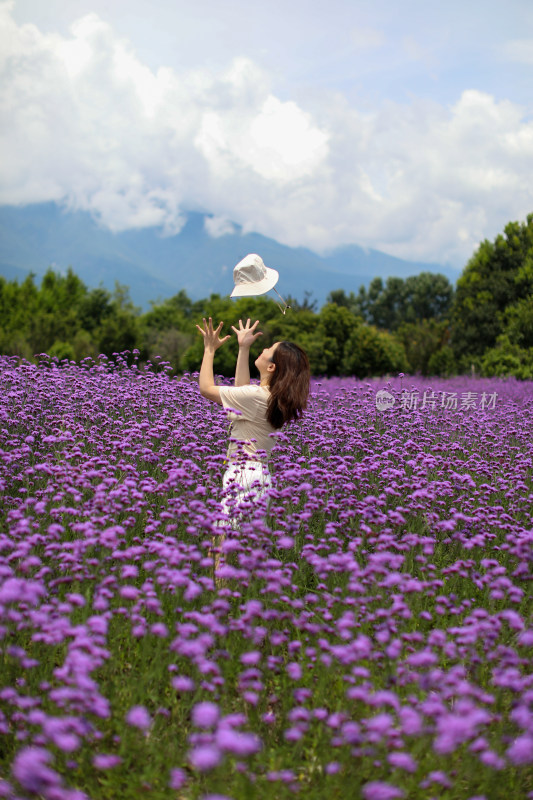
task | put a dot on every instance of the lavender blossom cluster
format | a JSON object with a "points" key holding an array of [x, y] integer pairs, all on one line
{"points": [[369, 635]]}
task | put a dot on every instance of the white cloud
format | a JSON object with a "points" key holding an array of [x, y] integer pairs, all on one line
{"points": [[519, 50], [87, 123], [218, 226], [278, 141]]}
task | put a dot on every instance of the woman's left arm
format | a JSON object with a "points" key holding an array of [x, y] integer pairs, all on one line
{"points": [[212, 342]]}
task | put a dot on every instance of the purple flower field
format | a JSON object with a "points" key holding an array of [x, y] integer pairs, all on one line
{"points": [[371, 638]]}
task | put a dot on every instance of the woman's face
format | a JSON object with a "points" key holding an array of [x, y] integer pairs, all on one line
{"points": [[262, 362]]}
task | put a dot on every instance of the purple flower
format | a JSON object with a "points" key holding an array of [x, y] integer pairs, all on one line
{"points": [[293, 734], [129, 592], [492, 759], [402, 761], [205, 715], [378, 790], [521, 750], [424, 658], [106, 761], [138, 717], [18, 590], [381, 724], [178, 777], [205, 757], [285, 542], [251, 658], [30, 770], [6, 789], [526, 638], [68, 742], [182, 683], [215, 797], [294, 670], [101, 452], [411, 721], [159, 629], [454, 729], [437, 776], [238, 743]]}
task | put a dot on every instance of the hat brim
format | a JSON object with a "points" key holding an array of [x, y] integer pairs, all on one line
{"points": [[260, 287]]}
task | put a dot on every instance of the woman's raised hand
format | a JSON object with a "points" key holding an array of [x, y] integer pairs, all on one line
{"points": [[245, 333], [212, 340]]}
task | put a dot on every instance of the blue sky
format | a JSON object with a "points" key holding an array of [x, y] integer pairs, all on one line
{"points": [[404, 126]]}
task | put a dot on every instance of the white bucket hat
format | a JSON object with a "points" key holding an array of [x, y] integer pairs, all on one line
{"points": [[251, 277]]}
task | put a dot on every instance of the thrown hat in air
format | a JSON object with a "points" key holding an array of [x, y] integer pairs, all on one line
{"points": [[251, 277]]}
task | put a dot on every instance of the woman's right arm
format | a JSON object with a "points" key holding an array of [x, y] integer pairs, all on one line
{"points": [[246, 337]]}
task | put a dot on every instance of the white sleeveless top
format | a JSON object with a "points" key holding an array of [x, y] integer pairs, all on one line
{"points": [[251, 423]]}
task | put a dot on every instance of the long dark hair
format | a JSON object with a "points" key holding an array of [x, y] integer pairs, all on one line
{"points": [[289, 384]]}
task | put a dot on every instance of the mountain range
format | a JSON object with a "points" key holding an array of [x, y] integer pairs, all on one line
{"points": [[155, 266]]}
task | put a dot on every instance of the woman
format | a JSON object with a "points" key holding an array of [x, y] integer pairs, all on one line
{"points": [[261, 410]]}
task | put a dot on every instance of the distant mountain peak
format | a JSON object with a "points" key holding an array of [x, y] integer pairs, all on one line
{"points": [[198, 259]]}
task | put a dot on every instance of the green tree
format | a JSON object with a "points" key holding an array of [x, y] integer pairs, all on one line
{"points": [[18, 305], [427, 296], [61, 350], [84, 345], [518, 322], [14, 315], [170, 345], [94, 308], [335, 326], [119, 330], [506, 359], [173, 313], [495, 278], [369, 351], [387, 306], [167, 330], [422, 341], [60, 297], [442, 362]]}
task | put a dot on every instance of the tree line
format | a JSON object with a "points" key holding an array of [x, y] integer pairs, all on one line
{"points": [[418, 324]]}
